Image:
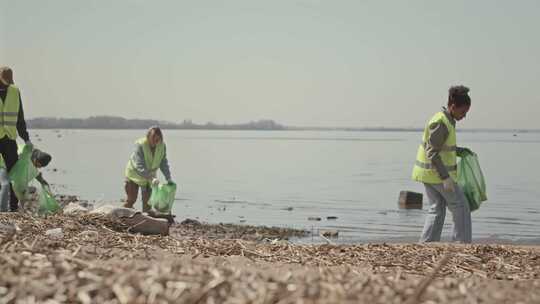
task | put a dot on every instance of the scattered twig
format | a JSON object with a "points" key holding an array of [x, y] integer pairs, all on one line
{"points": [[415, 298]]}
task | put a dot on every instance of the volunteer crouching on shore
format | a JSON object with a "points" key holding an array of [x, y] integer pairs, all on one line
{"points": [[27, 168], [436, 167], [149, 156]]}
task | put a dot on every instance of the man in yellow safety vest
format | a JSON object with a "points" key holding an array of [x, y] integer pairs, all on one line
{"points": [[11, 123], [436, 168]]}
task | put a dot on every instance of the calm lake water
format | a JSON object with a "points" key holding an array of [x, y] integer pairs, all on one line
{"points": [[280, 178]]}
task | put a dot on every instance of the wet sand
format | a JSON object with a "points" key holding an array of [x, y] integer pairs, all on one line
{"points": [[97, 261]]}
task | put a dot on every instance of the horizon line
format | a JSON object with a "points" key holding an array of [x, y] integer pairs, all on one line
{"points": [[286, 127]]}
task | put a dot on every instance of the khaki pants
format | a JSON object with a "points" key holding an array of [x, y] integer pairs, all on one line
{"points": [[132, 190]]}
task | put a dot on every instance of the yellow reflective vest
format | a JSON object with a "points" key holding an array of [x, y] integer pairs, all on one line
{"points": [[2, 163], [152, 161], [9, 112], [424, 171]]}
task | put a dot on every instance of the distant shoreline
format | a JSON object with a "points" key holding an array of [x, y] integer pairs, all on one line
{"points": [[119, 123], [297, 129]]}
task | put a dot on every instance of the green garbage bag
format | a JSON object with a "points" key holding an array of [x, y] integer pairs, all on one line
{"points": [[471, 180], [47, 202], [162, 197], [22, 172]]}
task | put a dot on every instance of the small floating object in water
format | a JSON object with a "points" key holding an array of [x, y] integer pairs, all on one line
{"points": [[330, 233], [331, 218], [410, 200], [242, 221], [288, 208], [313, 218]]}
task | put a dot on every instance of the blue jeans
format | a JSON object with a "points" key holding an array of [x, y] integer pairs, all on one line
{"points": [[458, 205], [4, 190]]}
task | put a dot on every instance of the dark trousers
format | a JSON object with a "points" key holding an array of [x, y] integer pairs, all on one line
{"points": [[132, 191], [8, 149]]}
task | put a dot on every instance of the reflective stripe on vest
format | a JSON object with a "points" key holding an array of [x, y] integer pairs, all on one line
{"points": [[9, 112], [430, 166], [152, 161], [424, 171]]}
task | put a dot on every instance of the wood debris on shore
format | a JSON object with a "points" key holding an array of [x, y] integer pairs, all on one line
{"points": [[97, 261]]}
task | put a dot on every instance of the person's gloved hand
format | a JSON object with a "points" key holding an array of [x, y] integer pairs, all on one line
{"points": [[465, 152], [29, 144], [155, 181], [448, 185]]}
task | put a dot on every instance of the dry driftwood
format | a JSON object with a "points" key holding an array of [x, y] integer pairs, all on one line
{"points": [[97, 261]]}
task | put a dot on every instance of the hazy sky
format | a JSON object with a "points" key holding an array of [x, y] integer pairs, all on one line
{"points": [[304, 62]]}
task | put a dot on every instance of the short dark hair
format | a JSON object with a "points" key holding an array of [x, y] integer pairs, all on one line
{"points": [[459, 96], [43, 158]]}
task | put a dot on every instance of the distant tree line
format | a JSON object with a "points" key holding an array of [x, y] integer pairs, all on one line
{"points": [[115, 122]]}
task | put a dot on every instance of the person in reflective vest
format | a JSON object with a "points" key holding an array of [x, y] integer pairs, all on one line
{"points": [[12, 122], [149, 156], [4, 186], [27, 168], [436, 168]]}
